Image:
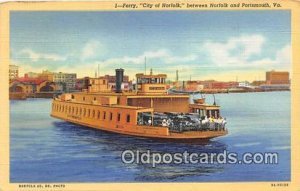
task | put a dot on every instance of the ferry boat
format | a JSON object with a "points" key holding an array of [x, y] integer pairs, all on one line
{"points": [[147, 111]]}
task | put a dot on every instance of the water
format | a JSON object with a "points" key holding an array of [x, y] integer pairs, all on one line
{"points": [[44, 149]]}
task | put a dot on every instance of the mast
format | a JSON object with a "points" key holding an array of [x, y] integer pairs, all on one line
{"points": [[145, 65]]}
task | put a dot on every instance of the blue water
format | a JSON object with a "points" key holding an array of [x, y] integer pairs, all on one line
{"points": [[44, 149]]}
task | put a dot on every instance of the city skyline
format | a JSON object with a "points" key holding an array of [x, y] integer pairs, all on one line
{"points": [[202, 44]]}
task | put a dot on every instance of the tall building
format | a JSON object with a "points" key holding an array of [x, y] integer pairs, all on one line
{"points": [[276, 77], [46, 75], [13, 72], [31, 75], [68, 80]]}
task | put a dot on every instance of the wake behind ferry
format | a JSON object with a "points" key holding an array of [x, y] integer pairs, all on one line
{"points": [[147, 111]]}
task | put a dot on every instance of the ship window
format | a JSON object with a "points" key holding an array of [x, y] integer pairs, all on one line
{"points": [[208, 113], [84, 112], [119, 117], [76, 110], [98, 114], [72, 110], [128, 118], [62, 108], [94, 98], [80, 111], [93, 113], [104, 115], [89, 113], [83, 98], [69, 109], [73, 96], [111, 116]]}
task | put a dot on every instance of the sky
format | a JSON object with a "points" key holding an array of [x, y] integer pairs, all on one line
{"points": [[201, 45]]}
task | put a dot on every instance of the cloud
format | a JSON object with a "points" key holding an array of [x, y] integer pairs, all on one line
{"points": [[133, 64], [91, 50], [282, 59], [162, 54], [36, 56], [236, 54], [24, 68], [235, 50], [245, 51], [284, 55], [183, 59]]}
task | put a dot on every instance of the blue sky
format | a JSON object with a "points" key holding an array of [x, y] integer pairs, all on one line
{"points": [[218, 45]]}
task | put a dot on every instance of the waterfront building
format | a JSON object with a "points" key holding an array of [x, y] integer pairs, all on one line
{"points": [[277, 77], [194, 86], [31, 85], [212, 84], [46, 75], [258, 82], [223, 85], [31, 75], [204, 85], [13, 72], [68, 80], [275, 87], [244, 84]]}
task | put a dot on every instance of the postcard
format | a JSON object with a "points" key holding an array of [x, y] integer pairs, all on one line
{"points": [[150, 95]]}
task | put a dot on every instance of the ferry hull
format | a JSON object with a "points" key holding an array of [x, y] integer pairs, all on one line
{"points": [[190, 136]]}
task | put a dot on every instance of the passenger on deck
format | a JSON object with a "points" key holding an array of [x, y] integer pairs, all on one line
{"points": [[204, 123], [211, 123], [140, 122], [219, 123], [224, 123], [164, 123]]}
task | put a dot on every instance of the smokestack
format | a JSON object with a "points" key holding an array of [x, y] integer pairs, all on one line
{"points": [[119, 80]]}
